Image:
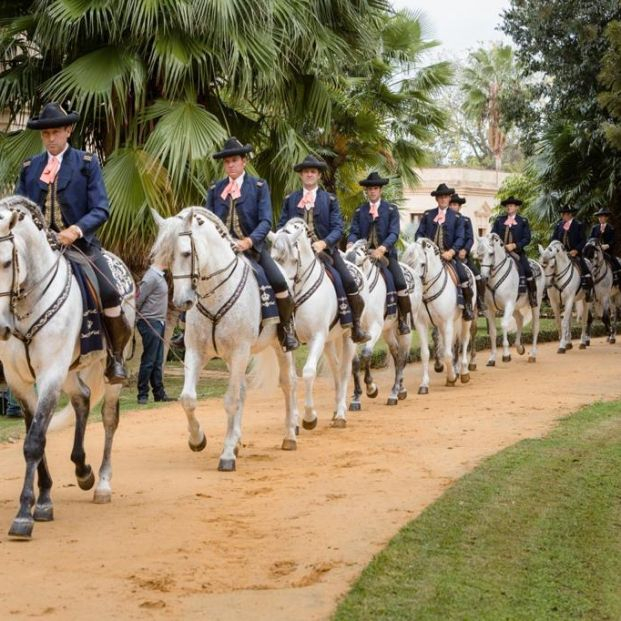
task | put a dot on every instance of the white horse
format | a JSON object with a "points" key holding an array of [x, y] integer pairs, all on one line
{"points": [[503, 279], [440, 309], [216, 287], [316, 317], [40, 323], [377, 326], [602, 305], [563, 285]]}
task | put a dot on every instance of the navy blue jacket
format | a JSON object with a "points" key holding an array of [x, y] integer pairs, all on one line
{"points": [[327, 216], [80, 188], [607, 237], [453, 229], [468, 233], [387, 225], [254, 207], [575, 235], [520, 231]]}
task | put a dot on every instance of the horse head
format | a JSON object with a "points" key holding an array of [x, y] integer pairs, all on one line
{"points": [[549, 258], [487, 249], [420, 255], [358, 253], [593, 251], [291, 247]]}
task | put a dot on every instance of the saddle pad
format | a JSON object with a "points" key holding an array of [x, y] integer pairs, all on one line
{"points": [[269, 310], [344, 312], [390, 305]]}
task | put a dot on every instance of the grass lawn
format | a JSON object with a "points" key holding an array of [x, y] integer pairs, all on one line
{"points": [[533, 533]]}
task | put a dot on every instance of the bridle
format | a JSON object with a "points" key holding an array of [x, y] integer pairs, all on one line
{"points": [[494, 270]]}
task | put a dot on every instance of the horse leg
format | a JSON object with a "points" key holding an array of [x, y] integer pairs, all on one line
{"points": [[465, 342], [340, 374], [287, 382], [233, 405], [565, 327], [472, 363], [583, 310], [367, 351], [397, 356], [504, 324], [491, 329], [315, 349], [438, 367], [423, 336], [34, 452], [519, 322], [80, 396], [354, 405], [193, 362], [447, 338], [110, 421], [535, 323]]}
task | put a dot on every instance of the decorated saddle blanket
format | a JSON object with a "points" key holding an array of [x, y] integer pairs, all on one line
{"points": [[390, 305], [344, 312], [269, 310]]}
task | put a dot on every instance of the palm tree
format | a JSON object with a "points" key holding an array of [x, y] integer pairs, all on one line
{"points": [[161, 83], [489, 77]]}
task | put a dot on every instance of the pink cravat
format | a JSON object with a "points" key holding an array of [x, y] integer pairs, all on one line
{"points": [[510, 221], [602, 227], [440, 217], [231, 189], [567, 225], [374, 210], [307, 200], [51, 170]]}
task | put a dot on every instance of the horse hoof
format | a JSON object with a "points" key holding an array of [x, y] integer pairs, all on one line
{"points": [[506, 358], [309, 424], [354, 407], [373, 393], [520, 349], [612, 341], [197, 448], [491, 363], [423, 390], [226, 465], [438, 368], [582, 346], [289, 445], [451, 383], [21, 528], [571, 345], [402, 395], [392, 401], [588, 343], [297, 430], [102, 497], [87, 481], [532, 359], [339, 423], [472, 367], [560, 350], [236, 450], [43, 513], [465, 378]]}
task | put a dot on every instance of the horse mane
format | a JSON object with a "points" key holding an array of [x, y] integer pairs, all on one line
{"points": [[25, 207]]}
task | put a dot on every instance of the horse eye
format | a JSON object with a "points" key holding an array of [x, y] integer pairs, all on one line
{"points": [[186, 254], [6, 264]]}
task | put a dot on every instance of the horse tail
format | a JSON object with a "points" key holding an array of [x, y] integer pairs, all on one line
{"points": [[63, 418], [527, 314]]}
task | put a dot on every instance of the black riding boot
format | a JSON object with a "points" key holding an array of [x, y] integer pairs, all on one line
{"points": [[481, 305], [532, 292], [356, 303], [468, 315], [286, 329], [119, 332], [405, 308]]}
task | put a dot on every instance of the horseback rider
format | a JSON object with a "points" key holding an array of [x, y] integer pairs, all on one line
{"points": [[68, 186], [605, 233], [514, 231], [322, 214], [243, 203], [464, 254], [570, 232], [445, 228], [377, 221]]}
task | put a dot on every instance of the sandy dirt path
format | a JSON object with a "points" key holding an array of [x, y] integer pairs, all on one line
{"points": [[286, 535]]}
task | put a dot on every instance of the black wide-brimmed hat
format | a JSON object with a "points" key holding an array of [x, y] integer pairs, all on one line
{"points": [[373, 181], [455, 198], [567, 209], [52, 115], [511, 201], [310, 161], [603, 212], [443, 190], [232, 147]]}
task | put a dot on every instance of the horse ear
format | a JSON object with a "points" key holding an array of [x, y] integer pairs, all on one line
{"points": [[271, 236], [187, 218], [157, 218], [541, 249], [14, 218]]}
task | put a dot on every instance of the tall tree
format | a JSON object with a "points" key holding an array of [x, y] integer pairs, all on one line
{"points": [[160, 83]]}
